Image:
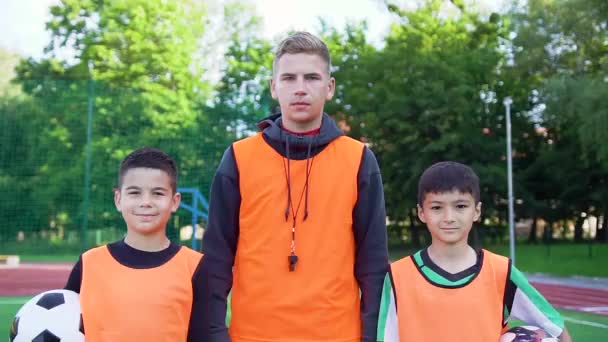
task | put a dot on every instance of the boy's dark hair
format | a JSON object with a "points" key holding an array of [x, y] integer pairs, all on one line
{"points": [[448, 176], [302, 42], [150, 158]]}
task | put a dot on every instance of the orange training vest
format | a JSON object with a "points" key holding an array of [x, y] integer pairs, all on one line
{"points": [[471, 313], [319, 301], [126, 304]]}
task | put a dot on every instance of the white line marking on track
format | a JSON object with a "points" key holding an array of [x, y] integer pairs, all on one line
{"points": [[591, 324]]}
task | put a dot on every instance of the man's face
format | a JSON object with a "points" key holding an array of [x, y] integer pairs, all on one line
{"points": [[301, 84]]}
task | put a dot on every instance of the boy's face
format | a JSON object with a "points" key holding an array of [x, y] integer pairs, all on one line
{"points": [[301, 84], [146, 200], [449, 215]]}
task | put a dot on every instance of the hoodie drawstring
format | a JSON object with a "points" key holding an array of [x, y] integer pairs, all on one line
{"points": [[306, 182], [293, 258], [287, 178]]}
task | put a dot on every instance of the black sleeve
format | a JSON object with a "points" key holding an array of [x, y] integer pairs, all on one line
{"points": [[371, 258], [219, 247], [75, 278], [199, 313]]}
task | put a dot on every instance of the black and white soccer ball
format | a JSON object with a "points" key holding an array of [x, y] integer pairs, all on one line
{"points": [[527, 333], [52, 316]]}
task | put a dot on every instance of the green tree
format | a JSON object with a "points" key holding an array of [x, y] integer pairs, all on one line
{"points": [[417, 101], [561, 61], [133, 64], [22, 206], [243, 93]]}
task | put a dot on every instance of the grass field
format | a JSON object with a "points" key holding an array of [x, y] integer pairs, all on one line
{"points": [[8, 309], [583, 327], [556, 259]]}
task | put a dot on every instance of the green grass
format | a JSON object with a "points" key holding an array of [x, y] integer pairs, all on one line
{"points": [[8, 309], [580, 326], [560, 259], [574, 321], [557, 259], [582, 332]]}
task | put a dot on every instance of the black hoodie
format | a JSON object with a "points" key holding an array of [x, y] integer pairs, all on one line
{"points": [[221, 236]]}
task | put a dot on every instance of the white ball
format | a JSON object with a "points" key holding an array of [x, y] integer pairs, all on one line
{"points": [[50, 316]]}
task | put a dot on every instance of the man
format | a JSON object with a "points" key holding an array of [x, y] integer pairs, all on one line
{"points": [[296, 220]]}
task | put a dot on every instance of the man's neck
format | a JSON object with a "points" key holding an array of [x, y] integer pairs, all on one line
{"points": [[301, 127], [147, 243], [312, 132], [452, 258]]}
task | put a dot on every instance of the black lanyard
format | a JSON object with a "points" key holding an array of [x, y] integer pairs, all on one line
{"points": [[293, 258]]}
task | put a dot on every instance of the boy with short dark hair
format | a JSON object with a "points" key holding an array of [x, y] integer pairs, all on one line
{"points": [[449, 291], [144, 287]]}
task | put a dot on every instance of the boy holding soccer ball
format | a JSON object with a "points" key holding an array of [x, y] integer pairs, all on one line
{"points": [[449, 291], [144, 287]]}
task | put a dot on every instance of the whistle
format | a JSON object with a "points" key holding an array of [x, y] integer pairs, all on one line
{"points": [[293, 259]]}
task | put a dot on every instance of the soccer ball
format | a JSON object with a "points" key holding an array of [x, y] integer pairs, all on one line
{"points": [[527, 333], [52, 316]]}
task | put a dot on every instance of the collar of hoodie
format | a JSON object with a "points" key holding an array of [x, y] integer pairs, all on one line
{"points": [[299, 145]]}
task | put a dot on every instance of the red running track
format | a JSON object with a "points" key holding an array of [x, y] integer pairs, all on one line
{"points": [[584, 299], [31, 279]]}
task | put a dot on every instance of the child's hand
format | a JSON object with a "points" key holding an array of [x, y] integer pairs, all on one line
{"points": [[565, 336]]}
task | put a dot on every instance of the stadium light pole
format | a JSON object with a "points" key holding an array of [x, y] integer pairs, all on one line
{"points": [[507, 102]]}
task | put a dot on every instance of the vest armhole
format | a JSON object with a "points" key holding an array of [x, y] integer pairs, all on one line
{"points": [[236, 164], [242, 149], [508, 295], [193, 259], [394, 288]]}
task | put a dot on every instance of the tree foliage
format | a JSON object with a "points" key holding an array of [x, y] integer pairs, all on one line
{"points": [[432, 90]]}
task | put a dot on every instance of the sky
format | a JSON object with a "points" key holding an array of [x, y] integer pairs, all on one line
{"points": [[22, 25], [22, 21], [280, 16]]}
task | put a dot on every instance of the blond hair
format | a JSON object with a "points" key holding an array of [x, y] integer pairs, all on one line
{"points": [[302, 42]]}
